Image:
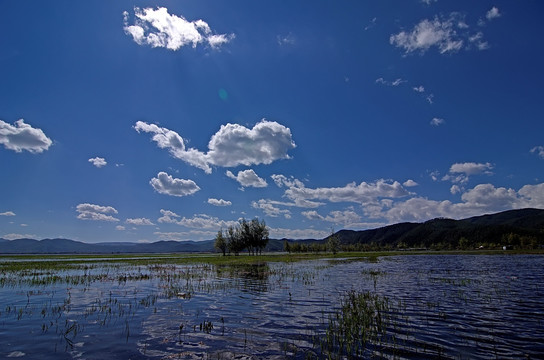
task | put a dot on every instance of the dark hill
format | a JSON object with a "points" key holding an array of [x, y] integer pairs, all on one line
{"points": [[522, 228]]}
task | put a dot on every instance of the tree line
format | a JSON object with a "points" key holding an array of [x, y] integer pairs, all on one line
{"points": [[246, 235]]}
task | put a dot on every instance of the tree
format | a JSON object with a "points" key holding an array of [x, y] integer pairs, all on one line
{"points": [[220, 242], [260, 234], [251, 235], [286, 246], [234, 240], [333, 243]]}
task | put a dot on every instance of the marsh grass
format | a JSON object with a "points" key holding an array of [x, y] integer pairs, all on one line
{"points": [[359, 328]]}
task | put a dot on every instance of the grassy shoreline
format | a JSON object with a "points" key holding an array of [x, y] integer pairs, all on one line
{"points": [[54, 260]]}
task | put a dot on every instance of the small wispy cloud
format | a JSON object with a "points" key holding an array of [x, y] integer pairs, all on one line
{"points": [[493, 13], [7, 213], [288, 39], [539, 150], [371, 24], [395, 82], [437, 121]]}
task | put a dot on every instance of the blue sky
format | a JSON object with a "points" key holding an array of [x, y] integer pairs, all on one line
{"points": [[146, 121]]}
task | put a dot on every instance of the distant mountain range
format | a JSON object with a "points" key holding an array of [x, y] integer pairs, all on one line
{"points": [[516, 225]]}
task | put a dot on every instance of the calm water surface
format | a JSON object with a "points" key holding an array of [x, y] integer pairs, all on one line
{"points": [[445, 306]]}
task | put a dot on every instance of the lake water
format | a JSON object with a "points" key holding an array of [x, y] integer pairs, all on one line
{"points": [[439, 307]]}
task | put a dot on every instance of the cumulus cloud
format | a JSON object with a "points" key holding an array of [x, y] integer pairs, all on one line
{"points": [[447, 34], [98, 162], [437, 121], [270, 208], [472, 168], [539, 150], [168, 139], [96, 212], [483, 198], [199, 221], [347, 218], [166, 184], [22, 136], [120, 228], [7, 213], [235, 144], [248, 178], [460, 173], [231, 146], [219, 202], [409, 183], [362, 193], [158, 28], [139, 221], [493, 13]]}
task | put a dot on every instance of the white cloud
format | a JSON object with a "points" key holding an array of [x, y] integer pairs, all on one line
{"points": [[139, 221], [186, 235], [98, 162], [409, 183], [428, 2], [395, 82], [168, 139], [219, 202], [455, 189], [199, 221], [460, 173], [23, 137], [270, 208], [235, 144], [231, 146], [248, 178], [158, 28], [538, 150], [362, 193], [7, 213], [371, 24], [166, 184], [438, 32], [347, 218], [471, 168], [430, 98], [18, 236], [493, 13], [483, 198], [419, 89], [96, 212], [437, 121], [288, 39], [120, 228]]}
